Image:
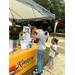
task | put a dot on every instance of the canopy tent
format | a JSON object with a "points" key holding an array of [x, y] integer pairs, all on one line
{"points": [[37, 7], [23, 12]]}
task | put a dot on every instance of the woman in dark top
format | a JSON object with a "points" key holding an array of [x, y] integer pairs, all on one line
{"points": [[14, 34]]}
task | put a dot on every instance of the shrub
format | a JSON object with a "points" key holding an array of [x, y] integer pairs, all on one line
{"points": [[49, 29], [61, 30]]}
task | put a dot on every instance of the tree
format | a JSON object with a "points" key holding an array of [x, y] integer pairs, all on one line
{"points": [[55, 6]]}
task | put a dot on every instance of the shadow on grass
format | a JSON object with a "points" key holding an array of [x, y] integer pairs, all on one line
{"points": [[45, 61]]}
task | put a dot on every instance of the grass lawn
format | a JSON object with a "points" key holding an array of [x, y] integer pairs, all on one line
{"points": [[45, 60]]}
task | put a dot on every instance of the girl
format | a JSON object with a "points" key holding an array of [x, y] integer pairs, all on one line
{"points": [[42, 37], [52, 51]]}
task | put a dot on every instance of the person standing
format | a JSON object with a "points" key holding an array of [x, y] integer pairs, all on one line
{"points": [[53, 49], [42, 37], [14, 34]]}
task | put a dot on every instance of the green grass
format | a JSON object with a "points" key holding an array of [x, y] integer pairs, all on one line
{"points": [[45, 60]]}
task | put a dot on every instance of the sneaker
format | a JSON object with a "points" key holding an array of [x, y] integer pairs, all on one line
{"points": [[42, 72], [47, 64], [51, 67], [36, 73]]}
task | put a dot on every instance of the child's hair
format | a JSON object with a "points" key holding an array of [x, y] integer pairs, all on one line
{"points": [[55, 40], [45, 27]]}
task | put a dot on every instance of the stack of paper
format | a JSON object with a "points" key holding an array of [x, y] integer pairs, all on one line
{"points": [[23, 44]]}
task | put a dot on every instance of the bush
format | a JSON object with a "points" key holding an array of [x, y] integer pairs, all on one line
{"points": [[61, 25], [61, 30], [9, 26], [49, 29]]}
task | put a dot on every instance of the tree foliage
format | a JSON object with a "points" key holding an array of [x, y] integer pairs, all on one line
{"points": [[54, 6]]}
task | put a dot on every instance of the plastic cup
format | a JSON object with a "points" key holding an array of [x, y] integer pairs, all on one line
{"points": [[30, 45]]}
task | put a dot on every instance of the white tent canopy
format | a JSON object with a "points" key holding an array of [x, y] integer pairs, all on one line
{"points": [[37, 7], [22, 12]]}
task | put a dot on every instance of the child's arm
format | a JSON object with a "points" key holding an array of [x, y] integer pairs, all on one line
{"points": [[53, 49]]}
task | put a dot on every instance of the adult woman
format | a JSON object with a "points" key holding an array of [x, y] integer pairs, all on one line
{"points": [[14, 34], [41, 39]]}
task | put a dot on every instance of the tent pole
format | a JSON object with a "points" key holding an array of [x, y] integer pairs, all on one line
{"points": [[15, 13], [11, 13]]}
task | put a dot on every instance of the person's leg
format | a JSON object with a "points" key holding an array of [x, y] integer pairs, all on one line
{"points": [[39, 58], [52, 61], [16, 41], [38, 61], [42, 60], [50, 58], [51, 67], [13, 43]]}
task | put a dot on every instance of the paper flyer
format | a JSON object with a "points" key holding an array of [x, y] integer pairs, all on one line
{"points": [[23, 44]]}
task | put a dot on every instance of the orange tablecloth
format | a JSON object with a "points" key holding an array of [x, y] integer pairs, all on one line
{"points": [[22, 60]]}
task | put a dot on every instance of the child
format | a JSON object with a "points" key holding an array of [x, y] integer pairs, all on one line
{"points": [[52, 51]]}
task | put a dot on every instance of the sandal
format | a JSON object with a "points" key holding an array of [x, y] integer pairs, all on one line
{"points": [[47, 64], [51, 67]]}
